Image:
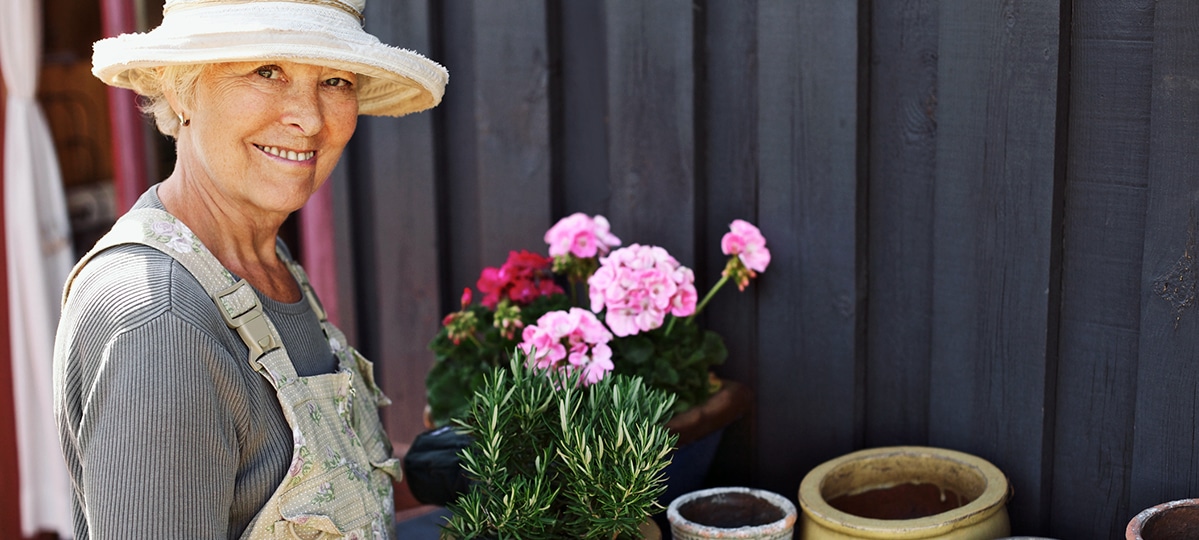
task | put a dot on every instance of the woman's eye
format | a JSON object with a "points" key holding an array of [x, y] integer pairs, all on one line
{"points": [[338, 82], [269, 72]]}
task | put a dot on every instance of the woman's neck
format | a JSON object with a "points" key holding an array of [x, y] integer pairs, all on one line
{"points": [[242, 239]]}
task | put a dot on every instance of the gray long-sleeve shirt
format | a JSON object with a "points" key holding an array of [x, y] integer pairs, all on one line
{"points": [[167, 430]]}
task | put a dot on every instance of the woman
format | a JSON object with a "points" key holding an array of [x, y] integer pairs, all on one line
{"points": [[199, 390]]}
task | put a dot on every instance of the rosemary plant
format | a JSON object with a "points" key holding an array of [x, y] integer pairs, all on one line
{"points": [[552, 459]]}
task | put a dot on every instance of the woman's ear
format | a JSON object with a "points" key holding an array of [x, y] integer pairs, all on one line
{"points": [[172, 96]]}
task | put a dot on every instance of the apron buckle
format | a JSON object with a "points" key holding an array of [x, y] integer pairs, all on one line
{"points": [[243, 312]]}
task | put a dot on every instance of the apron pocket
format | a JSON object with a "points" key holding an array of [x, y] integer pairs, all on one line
{"points": [[326, 505], [366, 369]]}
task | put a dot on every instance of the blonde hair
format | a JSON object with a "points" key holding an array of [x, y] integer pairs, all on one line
{"points": [[152, 84]]}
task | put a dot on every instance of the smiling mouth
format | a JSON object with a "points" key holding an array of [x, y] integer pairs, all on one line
{"points": [[290, 155]]}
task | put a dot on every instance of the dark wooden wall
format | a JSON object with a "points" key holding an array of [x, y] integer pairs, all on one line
{"points": [[982, 215]]}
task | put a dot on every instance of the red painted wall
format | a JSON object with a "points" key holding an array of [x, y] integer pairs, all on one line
{"points": [[10, 502]]}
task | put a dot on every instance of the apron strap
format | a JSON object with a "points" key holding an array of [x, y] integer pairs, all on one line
{"points": [[235, 299]]}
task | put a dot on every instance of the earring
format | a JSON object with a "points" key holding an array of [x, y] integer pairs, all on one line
{"points": [[184, 122]]}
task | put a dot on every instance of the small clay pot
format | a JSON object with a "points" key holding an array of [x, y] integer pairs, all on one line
{"points": [[1173, 520], [731, 512]]}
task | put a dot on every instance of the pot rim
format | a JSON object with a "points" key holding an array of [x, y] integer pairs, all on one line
{"points": [[1138, 522], [685, 525], [991, 501]]}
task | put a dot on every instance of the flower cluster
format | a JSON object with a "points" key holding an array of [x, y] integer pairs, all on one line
{"points": [[522, 278], [575, 242], [637, 295], [580, 235], [638, 285], [576, 336]]}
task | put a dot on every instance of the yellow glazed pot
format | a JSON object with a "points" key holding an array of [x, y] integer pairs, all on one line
{"points": [[864, 475]]}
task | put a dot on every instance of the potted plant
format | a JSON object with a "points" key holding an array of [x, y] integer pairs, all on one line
{"points": [[556, 456], [904, 492], [646, 301]]}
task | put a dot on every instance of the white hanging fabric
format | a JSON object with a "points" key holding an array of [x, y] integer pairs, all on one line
{"points": [[39, 257]]}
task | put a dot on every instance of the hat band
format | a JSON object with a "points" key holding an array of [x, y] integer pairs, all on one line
{"points": [[327, 3]]}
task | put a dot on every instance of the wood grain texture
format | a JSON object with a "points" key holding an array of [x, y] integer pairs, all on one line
{"points": [[511, 128], [651, 123], [1106, 194], [970, 207], [903, 154], [1165, 462], [728, 138], [993, 240], [581, 122], [808, 364], [394, 175], [459, 239]]}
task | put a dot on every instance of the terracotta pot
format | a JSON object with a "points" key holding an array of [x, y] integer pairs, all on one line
{"points": [[700, 430], [650, 530], [905, 492], [1173, 520], [731, 512]]}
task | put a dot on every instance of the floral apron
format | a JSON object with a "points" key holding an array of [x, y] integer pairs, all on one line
{"points": [[339, 484]]}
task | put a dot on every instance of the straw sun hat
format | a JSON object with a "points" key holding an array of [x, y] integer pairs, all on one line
{"points": [[321, 32]]}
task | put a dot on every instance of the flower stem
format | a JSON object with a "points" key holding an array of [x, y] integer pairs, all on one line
{"points": [[723, 279]]}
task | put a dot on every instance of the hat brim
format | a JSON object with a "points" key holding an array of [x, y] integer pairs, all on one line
{"points": [[394, 81]]}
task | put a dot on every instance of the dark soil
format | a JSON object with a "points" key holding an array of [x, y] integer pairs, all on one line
{"points": [[731, 510], [904, 501]]}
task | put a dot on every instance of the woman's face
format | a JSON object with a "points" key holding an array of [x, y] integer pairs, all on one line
{"points": [[266, 135]]}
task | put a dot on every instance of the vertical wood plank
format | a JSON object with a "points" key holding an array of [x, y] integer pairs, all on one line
{"points": [[1165, 455], [498, 166], [394, 170], [126, 127], [903, 157], [651, 123], [318, 254], [994, 241], [511, 104], [728, 138], [581, 125], [344, 243], [459, 239], [808, 317], [1106, 195]]}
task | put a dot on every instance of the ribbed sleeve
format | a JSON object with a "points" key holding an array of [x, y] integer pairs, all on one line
{"points": [[167, 430]]}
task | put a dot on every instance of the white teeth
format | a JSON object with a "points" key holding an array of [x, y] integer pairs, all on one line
{"points": [[290, 155]]}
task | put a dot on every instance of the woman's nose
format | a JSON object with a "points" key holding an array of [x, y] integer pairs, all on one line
{"points": [[303, 109]]}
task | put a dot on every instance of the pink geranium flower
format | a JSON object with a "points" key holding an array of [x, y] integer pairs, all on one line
{"points": [[581, 236], [638, 285], [570, 341], [746, 242]]}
